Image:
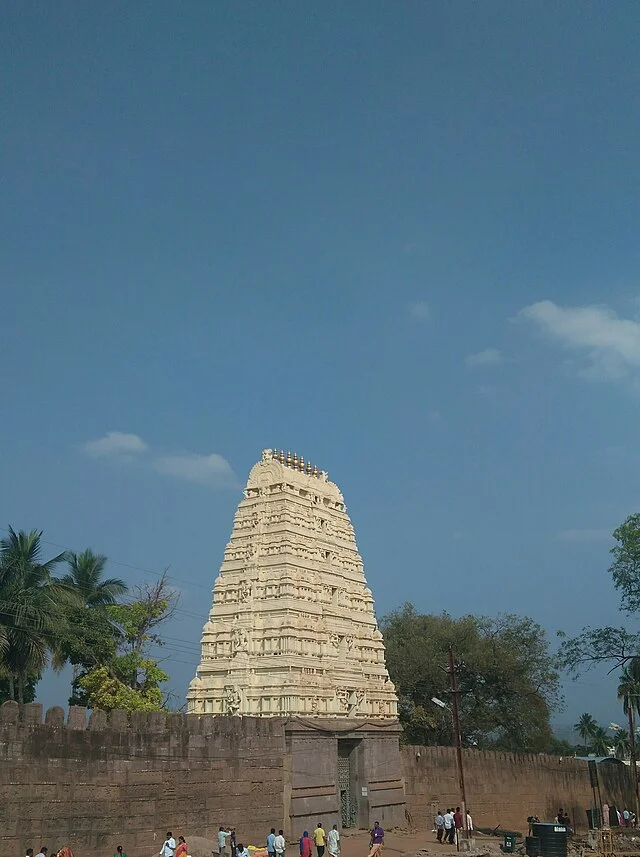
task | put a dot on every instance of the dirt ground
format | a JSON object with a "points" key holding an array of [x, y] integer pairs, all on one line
{"points": [[356, 844]]}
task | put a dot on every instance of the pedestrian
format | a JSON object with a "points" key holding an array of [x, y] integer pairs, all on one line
{"points": [[377, 840], [280, 844], [320, 838], [306, 846], [271, 838], [469, 822], [626, 817], [333, 841], [181, 850], [457, 820], [119, 852], [449, 827], [169, 846], [222, 841], [43, 851], [439, 825], [29, 852], [234, 843], [605, 815], [242, 851]]}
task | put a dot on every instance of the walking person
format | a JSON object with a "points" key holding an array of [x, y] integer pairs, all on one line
{"points": [[333, 841], [119, 852], [280, 844], [271, 838], [377, 840], [439, 826], [169, 846], [449, 827], [469, 822], [320, 839], [457, 821], [222, 841], [306, 846]]}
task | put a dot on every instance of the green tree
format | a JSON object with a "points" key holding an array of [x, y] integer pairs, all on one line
{"points": [[132, 679], [585, 727], [629, 687], [32, 605], [109, 687], [508, 686], [600, 742], [613, 645], [621, 744], [85, 576], [90, 638]]}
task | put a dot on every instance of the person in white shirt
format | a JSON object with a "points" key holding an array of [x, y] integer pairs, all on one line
{"points": [[169, 847], [222, 841], [241, 851], [449, 826], [469, 821], [333, 841], [43, 851], [279, 844]]}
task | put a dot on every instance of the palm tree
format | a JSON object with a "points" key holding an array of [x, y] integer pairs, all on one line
{"points": [[621, 743], [600, 742], [84, 577], [585, 727], [629, 687], [31, 602]]}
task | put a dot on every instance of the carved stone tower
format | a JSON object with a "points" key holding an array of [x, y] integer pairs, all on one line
{"points": [[292, 629]]}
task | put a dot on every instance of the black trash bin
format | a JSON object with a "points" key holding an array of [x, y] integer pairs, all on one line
{"points": [[532, 846], [553, 839]]}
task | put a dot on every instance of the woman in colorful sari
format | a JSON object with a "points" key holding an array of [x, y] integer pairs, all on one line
{"points": [[181, 850]]}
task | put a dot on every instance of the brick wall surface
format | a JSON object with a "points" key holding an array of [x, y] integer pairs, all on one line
{"points": [[92, 784], [90, 781], [505, 788]]}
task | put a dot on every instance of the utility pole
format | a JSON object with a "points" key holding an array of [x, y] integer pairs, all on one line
{"points": [[632, 754], [456, 731]]}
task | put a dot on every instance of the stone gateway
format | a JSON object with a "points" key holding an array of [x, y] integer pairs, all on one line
{"points": [[292, 629]]}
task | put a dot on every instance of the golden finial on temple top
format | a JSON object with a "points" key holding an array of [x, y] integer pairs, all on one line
{"points": [[289, 459], [281, 456], [295, 460], [315, 471], [302, 463], [309, 468]]}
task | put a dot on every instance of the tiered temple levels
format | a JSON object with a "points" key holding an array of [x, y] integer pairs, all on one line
{"points": [[292, 629]]}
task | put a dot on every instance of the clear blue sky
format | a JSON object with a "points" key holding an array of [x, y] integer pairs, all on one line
{"points": [[399, 238]]}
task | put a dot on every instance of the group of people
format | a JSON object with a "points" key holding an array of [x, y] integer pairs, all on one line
{"points": [[55, 852], [276, 845], [449, 823], [611, 814]]}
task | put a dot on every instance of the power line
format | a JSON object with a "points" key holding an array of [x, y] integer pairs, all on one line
{"points": [[126, 565]]}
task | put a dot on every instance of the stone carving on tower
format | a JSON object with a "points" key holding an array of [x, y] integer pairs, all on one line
{"points": [[292, 629]]}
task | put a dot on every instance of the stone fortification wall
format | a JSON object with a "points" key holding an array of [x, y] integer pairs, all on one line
{"points": [[505, 788], [94, 781]]}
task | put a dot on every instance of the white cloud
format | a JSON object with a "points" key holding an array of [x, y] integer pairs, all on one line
{"points": [[115, 444], [419, 310], [610, 343], [488, 357], [588, 535], [213, 470]]}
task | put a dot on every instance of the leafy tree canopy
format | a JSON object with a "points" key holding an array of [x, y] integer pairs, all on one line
{"points": [[508, 685], [613, 645]]}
